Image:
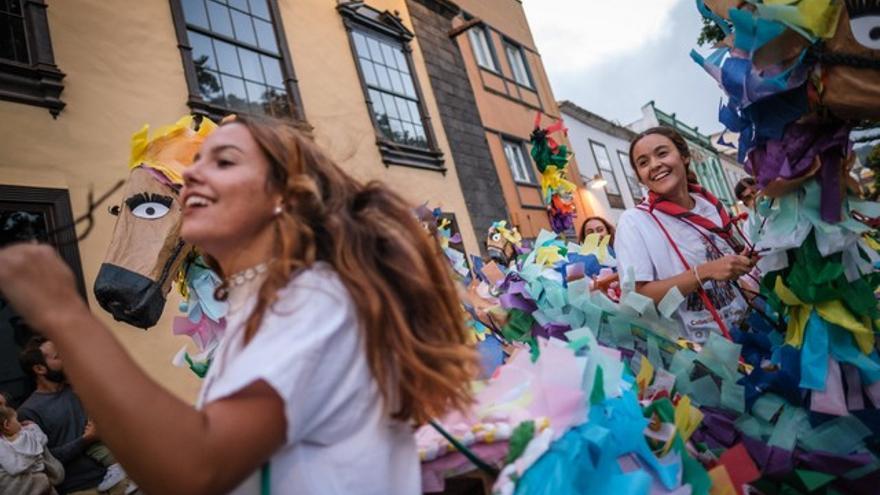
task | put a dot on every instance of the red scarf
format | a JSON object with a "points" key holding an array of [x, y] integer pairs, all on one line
{"points": [[725, 230]]}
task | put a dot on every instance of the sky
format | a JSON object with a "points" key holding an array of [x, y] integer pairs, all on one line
{"points": [[613, 56]]}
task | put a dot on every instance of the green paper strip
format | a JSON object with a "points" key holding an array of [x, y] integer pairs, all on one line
{"points": [[597, 395], [733, 396], [785, 433], [839, 436], [813, 480], [670, 302], [721, 356], [705, 392], [767, 406]]}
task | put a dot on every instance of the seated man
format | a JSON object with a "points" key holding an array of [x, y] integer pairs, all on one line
{"points": [[73, 438]]}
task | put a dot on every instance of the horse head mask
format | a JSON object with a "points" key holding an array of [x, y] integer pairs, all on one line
{"points": [[146, 248]]}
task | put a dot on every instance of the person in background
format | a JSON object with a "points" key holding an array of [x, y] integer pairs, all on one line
{"points": [[73, 437], [746, 190], [597, 225], [683, 238], [26, 465]]}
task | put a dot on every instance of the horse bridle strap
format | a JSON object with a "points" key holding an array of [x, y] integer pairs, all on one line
{"points": [[166, 269]]}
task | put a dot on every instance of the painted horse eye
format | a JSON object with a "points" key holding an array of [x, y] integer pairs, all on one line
{"points": [[866, 30], [150, 210], [496, 237]]}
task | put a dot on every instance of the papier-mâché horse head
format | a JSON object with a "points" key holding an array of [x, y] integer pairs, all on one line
{"points": [[146, 249]]}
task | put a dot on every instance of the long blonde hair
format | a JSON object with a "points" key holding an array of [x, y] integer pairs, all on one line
{"points": [[408, 307]]}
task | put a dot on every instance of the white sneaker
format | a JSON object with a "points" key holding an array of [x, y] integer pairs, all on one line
{"points": [[131, 488], [114, 475]]}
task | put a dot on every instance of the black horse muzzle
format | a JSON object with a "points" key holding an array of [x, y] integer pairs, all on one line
{"points": [[128, 296]]}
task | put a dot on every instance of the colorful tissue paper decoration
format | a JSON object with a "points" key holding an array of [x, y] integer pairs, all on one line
{"points": [[788, 406], [799, 75], [551, 158], [205, 318]]}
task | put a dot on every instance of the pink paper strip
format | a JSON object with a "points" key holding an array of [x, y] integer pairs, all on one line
{"points": [[831, 400], [854, 398]]}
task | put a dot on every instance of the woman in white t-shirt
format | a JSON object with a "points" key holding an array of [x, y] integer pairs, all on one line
{"points": [[344, 331], [681, 236]]}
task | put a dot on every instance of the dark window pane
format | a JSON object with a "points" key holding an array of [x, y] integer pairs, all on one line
{"points": [[278, 103], [13, 44], [272, 70], [260, 9], [236, 97], [227, 58], [209, 86], [257, 96], [13, 7], [202, 51], [239, 4], [194, 13], [219, 16], [265, 36], [250, 64], [244, 30], [7, 50]]}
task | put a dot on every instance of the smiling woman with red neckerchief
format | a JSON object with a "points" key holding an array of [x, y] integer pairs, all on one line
{"points": [[681, 236]]}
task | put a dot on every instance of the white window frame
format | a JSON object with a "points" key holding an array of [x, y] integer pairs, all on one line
{"points": [[635, 188], [519, 66], [520, 165], [483, 52], [607, 173]]}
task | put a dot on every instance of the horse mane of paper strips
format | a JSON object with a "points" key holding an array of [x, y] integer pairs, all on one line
{"points": [[146, 252], [551, 158]]}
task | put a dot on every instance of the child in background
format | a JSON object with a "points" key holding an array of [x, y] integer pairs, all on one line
{"points": [[23, 451]]}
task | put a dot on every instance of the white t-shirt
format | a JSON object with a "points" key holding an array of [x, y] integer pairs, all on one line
{"points": [[340, 437], [641, 244]]}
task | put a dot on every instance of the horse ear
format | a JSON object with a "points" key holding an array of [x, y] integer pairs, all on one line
{"points": [[139, 141], [206, 127]]}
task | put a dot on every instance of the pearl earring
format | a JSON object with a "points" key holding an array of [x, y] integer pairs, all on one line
{"points": [[278, 210]]}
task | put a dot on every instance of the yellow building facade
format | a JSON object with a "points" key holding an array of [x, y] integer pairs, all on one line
{"points": [[125, 64]]}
